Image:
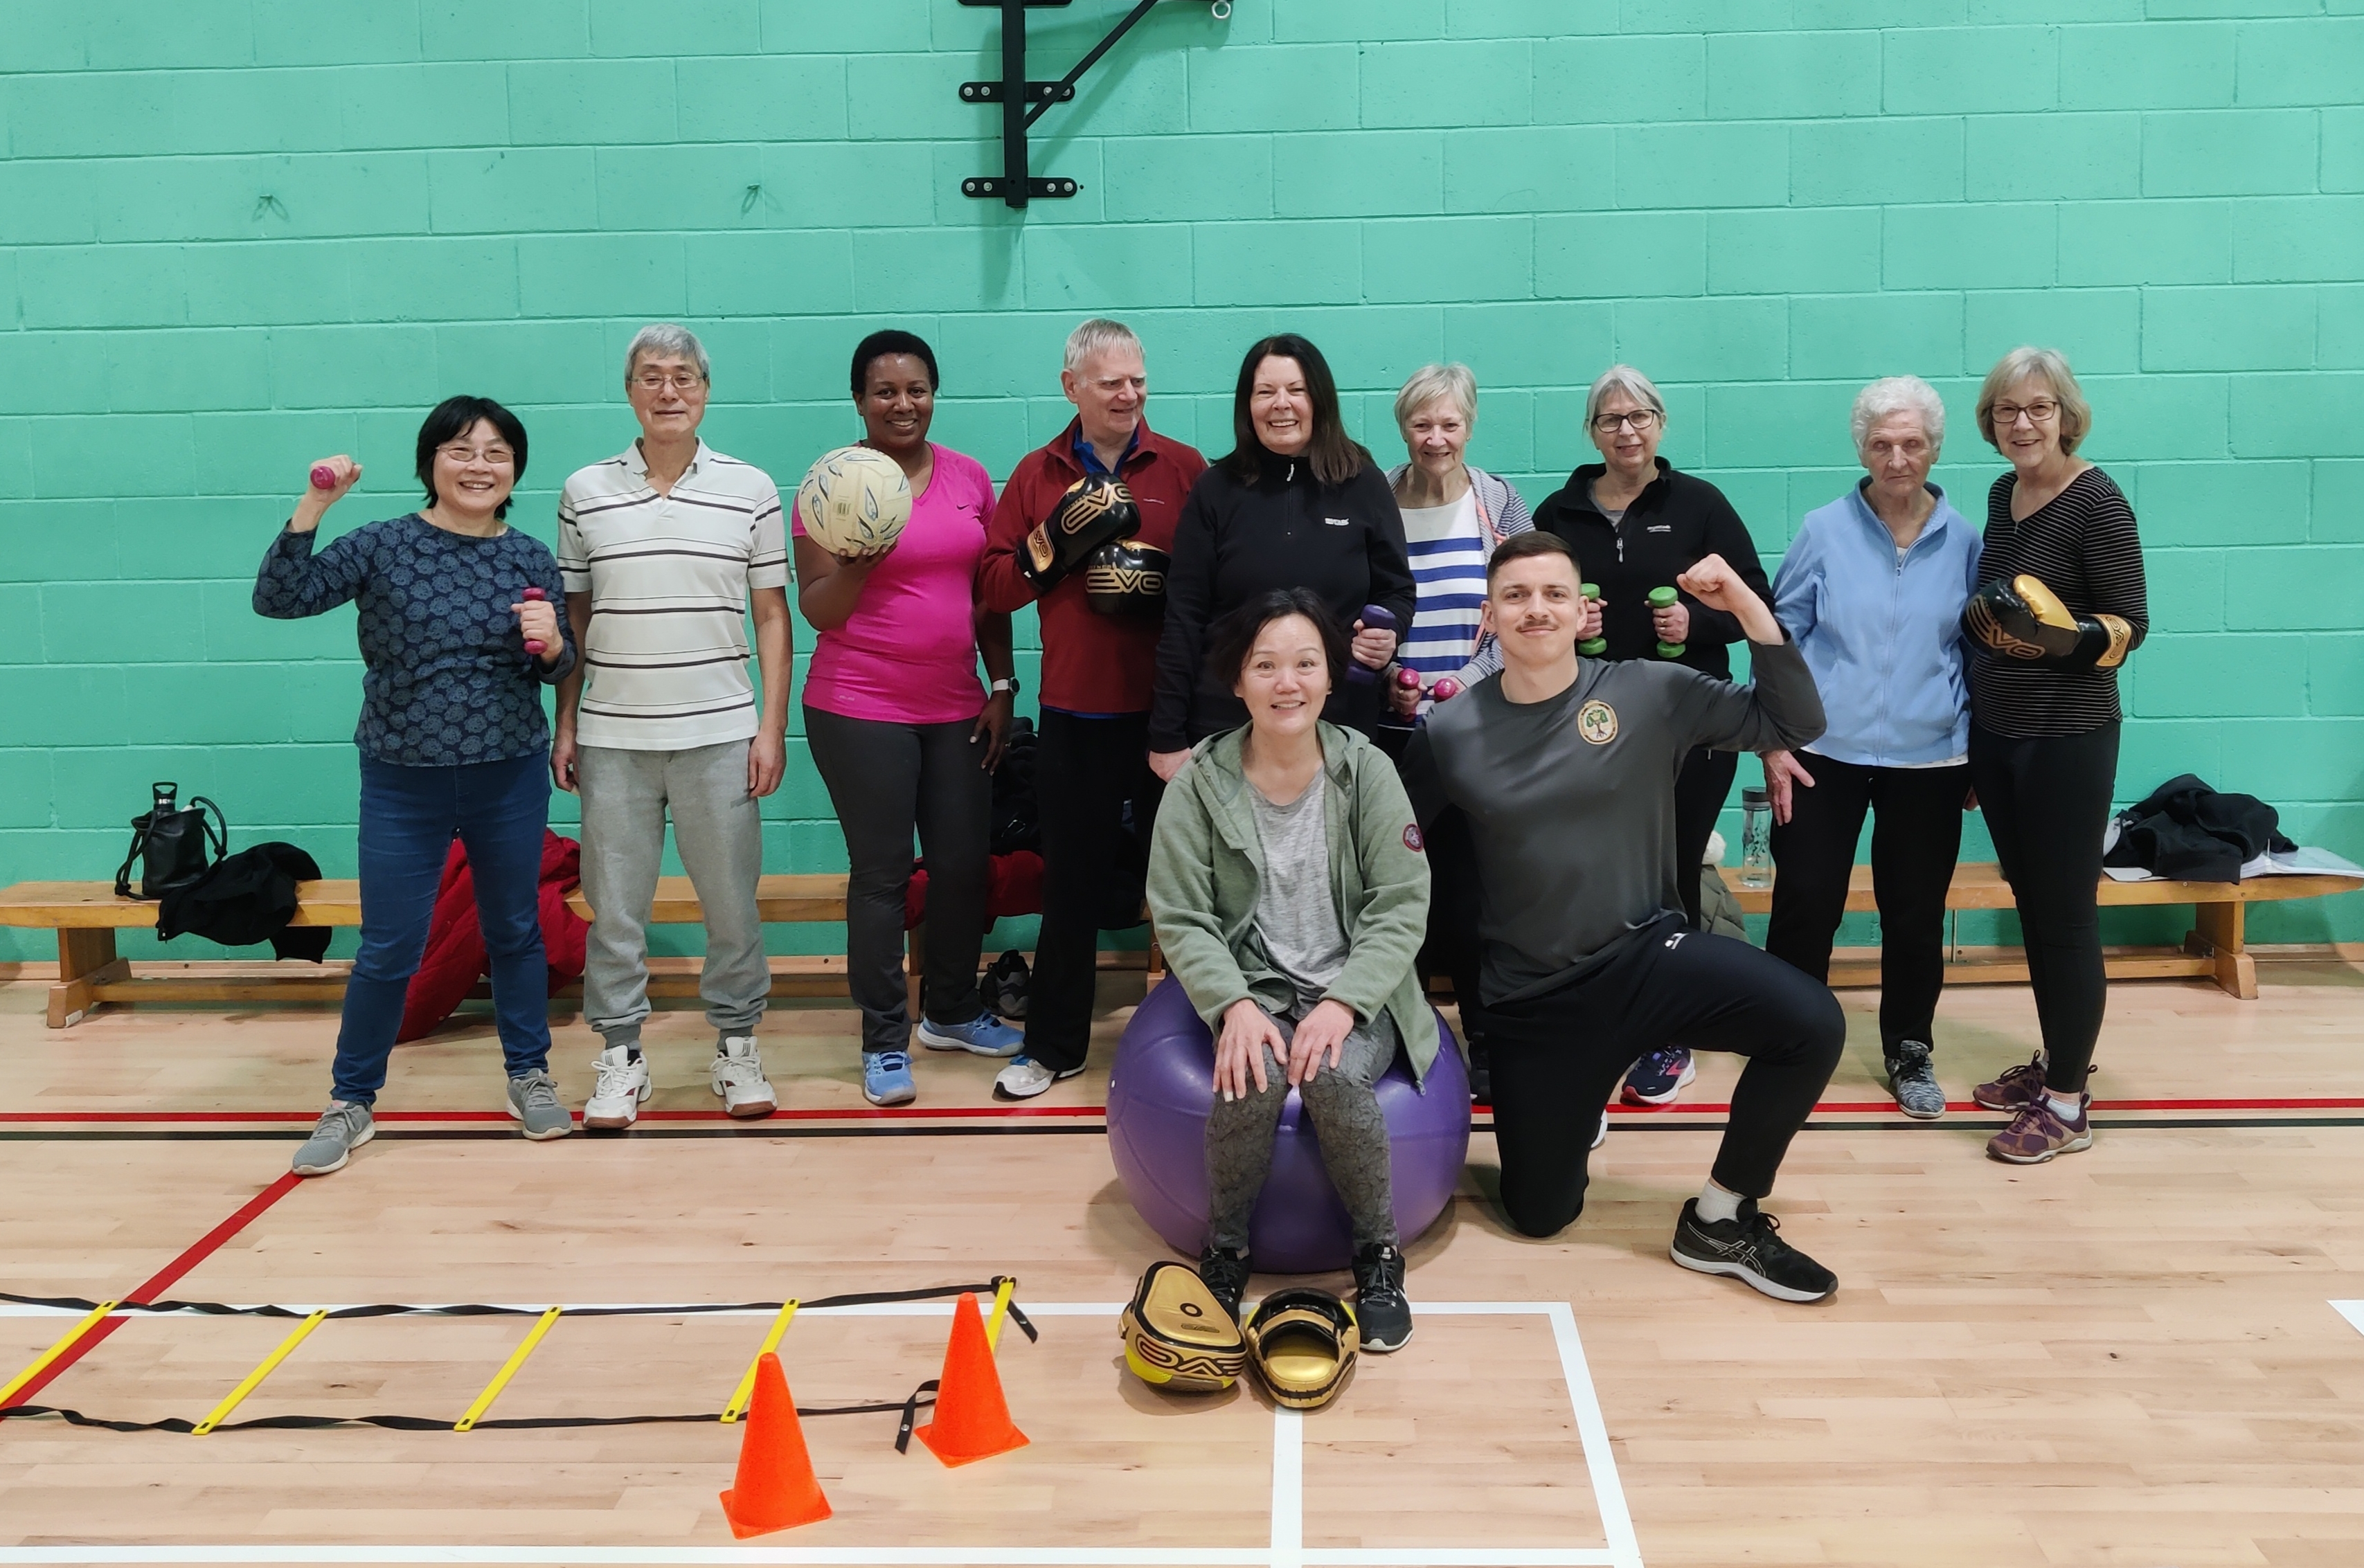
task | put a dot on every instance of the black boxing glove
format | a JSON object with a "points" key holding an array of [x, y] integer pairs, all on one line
{"points": [[1125, 577], [2021, 619], [1096, 509]]}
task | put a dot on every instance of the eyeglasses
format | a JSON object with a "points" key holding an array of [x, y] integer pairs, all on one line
{"points": [[682, 382], [494, 456], [1641, 419], [2043, 411], [1111, 385]]}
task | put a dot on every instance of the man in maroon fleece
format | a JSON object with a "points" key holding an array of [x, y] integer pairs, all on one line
{"points": [[1092, 782]]}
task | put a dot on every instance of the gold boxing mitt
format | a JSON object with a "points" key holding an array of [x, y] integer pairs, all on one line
{"points": [[2021, 619]]}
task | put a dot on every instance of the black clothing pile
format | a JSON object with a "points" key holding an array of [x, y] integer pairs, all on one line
{"points": [[2188, 833], [245, 898]]}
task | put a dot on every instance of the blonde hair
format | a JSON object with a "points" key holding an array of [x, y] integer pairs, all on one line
{"points": [[2052, 365], [1430, 382]]}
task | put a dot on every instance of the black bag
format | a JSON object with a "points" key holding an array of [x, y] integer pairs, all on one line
{"points": [[245, 898], [171, 843], [1016, 822]]}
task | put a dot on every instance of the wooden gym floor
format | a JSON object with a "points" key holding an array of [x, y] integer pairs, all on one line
{"points": [[2129, 1357]]}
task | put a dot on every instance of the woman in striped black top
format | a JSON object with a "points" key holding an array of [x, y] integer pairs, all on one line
{"points": [[1453, 516], [2059, 606]]}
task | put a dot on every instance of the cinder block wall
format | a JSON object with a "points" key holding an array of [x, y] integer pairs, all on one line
{"points": [[235, 235]]}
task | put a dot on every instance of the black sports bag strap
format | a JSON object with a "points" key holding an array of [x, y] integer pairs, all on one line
{"points": [[138, 846]]}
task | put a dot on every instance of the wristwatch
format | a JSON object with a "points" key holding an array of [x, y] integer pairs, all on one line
{"points": [[1006, 683]]}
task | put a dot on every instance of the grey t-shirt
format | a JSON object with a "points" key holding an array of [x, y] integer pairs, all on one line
{"points": [[1294, 914], [1571, 801]]}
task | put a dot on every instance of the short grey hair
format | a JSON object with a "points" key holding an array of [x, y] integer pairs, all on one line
{"points": [[1431, 383], [1098, 336], [1629, 381], [2052, 365], [670, 341], [1899, 395]]}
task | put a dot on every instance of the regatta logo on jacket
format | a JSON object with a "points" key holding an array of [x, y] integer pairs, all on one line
{"points": [[1337, 522]]}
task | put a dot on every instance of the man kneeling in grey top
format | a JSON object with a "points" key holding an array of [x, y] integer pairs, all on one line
{"points": [[1565, 771]]}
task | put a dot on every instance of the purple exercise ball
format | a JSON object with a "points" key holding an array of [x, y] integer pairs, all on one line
{"points": [[1162, 1091]]}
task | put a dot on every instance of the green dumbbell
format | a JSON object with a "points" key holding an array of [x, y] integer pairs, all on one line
{"points": [[1663, 599], [1592, 647]]}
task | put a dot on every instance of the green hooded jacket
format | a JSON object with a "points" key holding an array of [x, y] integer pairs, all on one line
{"points": [[1206, 865]]}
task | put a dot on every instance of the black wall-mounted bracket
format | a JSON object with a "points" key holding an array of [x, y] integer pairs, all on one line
{"points": [[1022, 101]]}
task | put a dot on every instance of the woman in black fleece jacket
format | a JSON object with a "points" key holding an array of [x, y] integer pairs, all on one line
{"points": [[1297, 504], [1635, 524]]}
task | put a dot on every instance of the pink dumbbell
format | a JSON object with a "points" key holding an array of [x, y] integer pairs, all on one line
{"points": [[1406, 678], [1445, 689], [533, 645], [324, 476]]}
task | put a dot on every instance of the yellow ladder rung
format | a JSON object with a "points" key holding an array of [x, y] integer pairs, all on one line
{"points": [[738, 1405], [1001, 1295], [254, 1379], [468, 1423], [41, 1362]]}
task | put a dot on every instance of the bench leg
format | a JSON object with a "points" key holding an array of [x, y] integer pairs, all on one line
{"points": [[86, 962], [2217, 934]]}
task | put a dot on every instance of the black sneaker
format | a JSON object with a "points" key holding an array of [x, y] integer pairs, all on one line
{"points": [[1913, 1079], [1381, 1312], [1226, 1274], [1481, 1074], [1749, 1249]]}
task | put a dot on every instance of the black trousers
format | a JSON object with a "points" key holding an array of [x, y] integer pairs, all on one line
{"points": [[2047, 800], [886, 780], [1701, 790], [1097, 799], [1916, 835], [1451, 947], [1557, 1058]]}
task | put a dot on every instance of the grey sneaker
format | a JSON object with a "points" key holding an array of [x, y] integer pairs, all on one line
{"points": [[533, 1101], [1913, 1080], [342, 1128]]}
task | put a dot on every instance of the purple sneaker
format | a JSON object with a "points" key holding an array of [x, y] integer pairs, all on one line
{"points": [[2017, 1089], [2038, 1133]]}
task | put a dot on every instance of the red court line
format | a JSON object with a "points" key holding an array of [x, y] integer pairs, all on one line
{"points": [[163, 1280], [1024, 1113]]}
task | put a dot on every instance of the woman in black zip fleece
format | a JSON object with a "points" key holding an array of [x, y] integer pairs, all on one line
{"points": [[1297, 504], [1635, 523]]}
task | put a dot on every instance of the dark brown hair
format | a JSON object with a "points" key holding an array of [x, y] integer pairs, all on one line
{"points": [[1233, 638], [1333, 455], [1520, 546]]}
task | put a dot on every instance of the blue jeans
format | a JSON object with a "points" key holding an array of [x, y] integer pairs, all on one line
{"points": [[409, 819]]}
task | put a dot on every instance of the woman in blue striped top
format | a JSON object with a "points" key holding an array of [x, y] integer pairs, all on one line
{"points": [[1453, 516]]}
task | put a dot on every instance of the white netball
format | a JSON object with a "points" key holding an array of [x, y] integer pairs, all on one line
{"points": [[854, 501]]}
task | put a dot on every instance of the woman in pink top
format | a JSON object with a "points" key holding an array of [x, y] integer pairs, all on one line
{"points": [[904, 735]]}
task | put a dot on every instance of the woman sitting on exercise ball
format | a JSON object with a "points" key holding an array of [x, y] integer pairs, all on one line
{"points": [[1291, 894]]}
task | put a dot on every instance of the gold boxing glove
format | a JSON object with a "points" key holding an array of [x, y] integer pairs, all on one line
{"points": [[2021, 619]]}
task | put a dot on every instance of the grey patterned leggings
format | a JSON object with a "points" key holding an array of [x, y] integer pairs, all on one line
{"points": [[1347, 1121]]}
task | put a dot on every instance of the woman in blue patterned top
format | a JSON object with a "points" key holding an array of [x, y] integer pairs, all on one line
{"points": [[452, 739]]}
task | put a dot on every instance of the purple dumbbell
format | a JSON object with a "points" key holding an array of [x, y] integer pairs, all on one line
{"points": [[1375, 619]]}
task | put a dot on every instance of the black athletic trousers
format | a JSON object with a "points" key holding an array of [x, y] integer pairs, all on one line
{"points": [[1451, 947], [1701, 790], [2047, 800], [1557, 1058], [1916, 835], [1085, 770]]}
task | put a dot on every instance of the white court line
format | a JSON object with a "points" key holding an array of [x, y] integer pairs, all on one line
{"points": [[1288, 1549]]}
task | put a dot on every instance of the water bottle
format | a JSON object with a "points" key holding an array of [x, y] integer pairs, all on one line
{"points": [[1755, 837]]}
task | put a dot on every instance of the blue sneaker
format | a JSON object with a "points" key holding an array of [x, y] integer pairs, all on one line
{"points": [[886, 1078], [1658, 1077], [982, 1035]]}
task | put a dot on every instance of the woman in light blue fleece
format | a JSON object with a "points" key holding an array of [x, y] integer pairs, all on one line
{"points": [[1872, 590]]}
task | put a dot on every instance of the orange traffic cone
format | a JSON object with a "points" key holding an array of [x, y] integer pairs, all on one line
{"points": [[776, 1488], [971, 1419]]}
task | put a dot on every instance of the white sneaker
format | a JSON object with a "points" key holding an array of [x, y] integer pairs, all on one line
{"points": [[1602, 1136], [1024, 1078], [622, 1089], [739, 1078]]}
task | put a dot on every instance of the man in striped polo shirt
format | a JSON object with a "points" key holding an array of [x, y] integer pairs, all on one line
{"points": [[663, 549]]}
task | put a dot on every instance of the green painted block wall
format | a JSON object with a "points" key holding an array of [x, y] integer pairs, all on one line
{"points": [[235, 235]]}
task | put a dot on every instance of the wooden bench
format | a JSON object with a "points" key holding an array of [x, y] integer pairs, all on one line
{"points": [[87, 915], [2213, 948]]}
